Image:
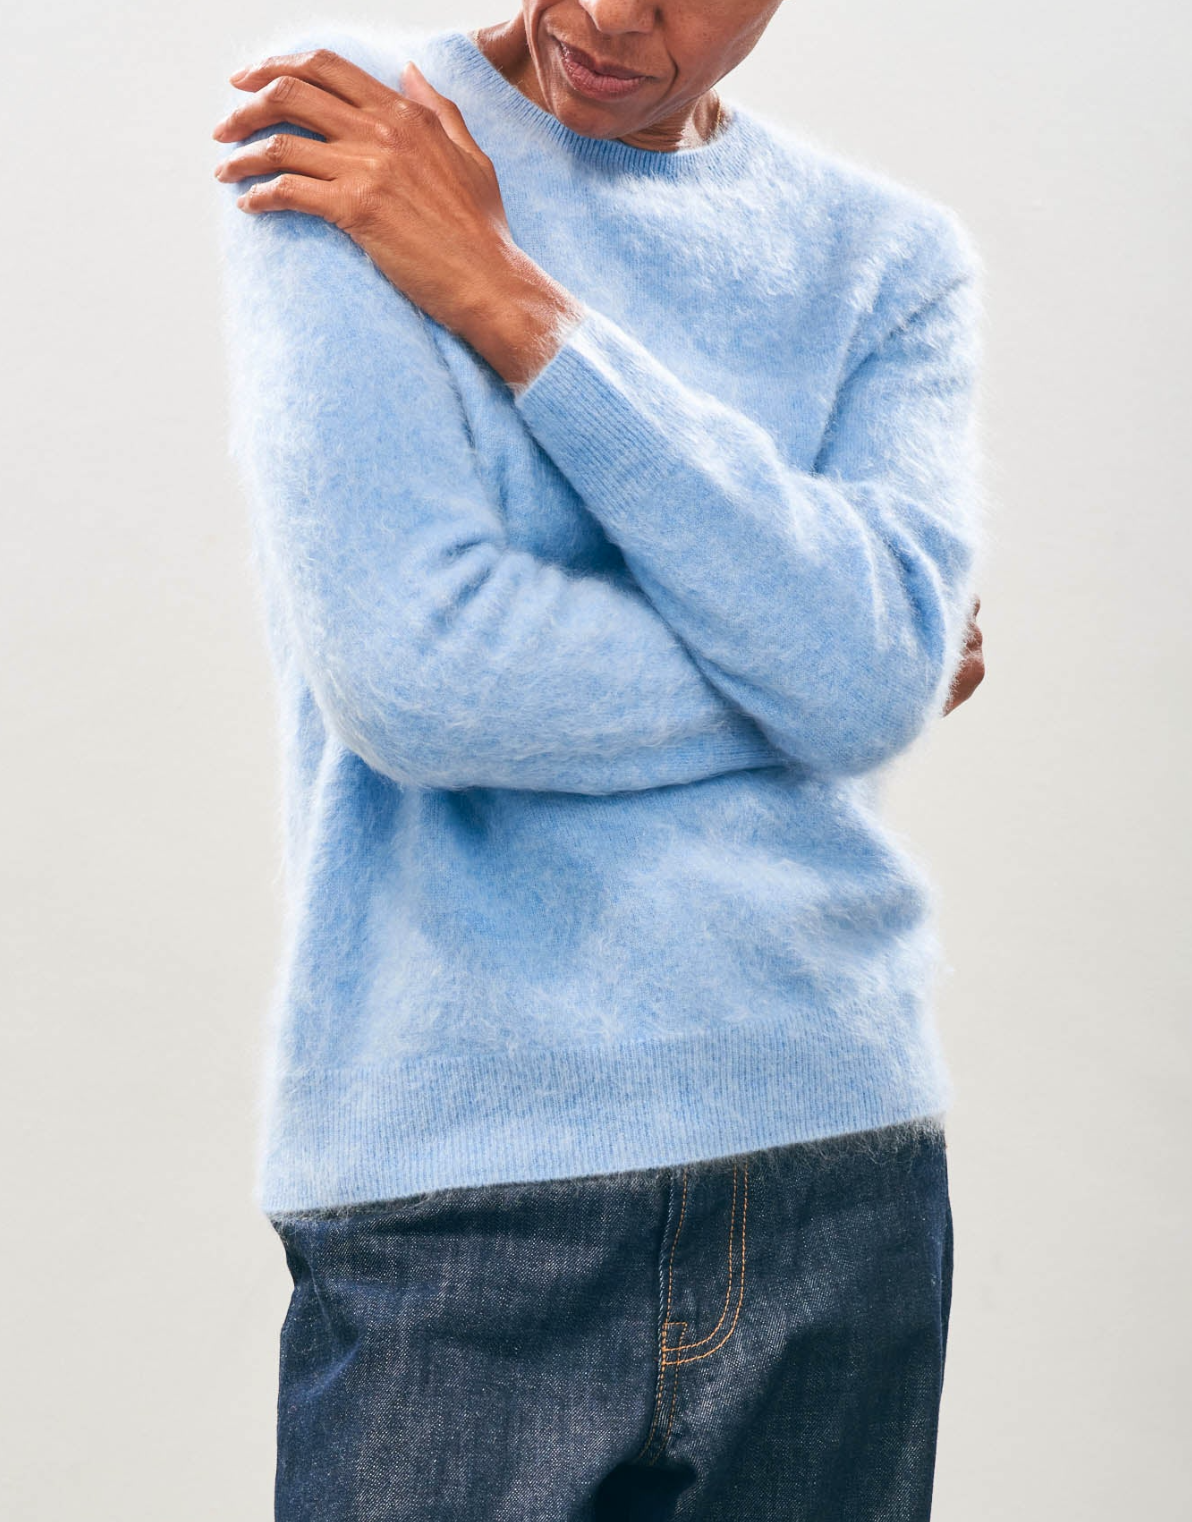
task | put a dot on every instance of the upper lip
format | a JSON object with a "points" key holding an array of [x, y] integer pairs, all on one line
{"points": [[616, 70]]}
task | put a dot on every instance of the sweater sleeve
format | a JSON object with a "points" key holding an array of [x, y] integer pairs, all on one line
{"points": [[831, 604], [437, 652]]}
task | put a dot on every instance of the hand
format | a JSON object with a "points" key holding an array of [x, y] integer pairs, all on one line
{"points": [[401, 174], [971, 671]]}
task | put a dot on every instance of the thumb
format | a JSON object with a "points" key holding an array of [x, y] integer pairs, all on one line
{"points": [[415, 84]]}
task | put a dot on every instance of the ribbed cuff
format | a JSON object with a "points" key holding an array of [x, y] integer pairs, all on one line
{"points": [[612, 418]]}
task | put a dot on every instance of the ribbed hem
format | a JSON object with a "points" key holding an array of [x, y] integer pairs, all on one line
{"points": [[722, 155], [350, 1136]]}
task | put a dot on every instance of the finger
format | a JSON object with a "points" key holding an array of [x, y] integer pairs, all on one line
{"points": [[319, 66], [968, 678], [278, 152], [416, 85], [288, 99], [289, 192]]}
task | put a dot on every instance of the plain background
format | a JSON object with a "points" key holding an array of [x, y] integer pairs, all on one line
{"points": [[142, 1293]]}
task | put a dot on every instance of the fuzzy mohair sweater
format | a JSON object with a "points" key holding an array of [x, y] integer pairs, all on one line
{"points": [[585, 687]]}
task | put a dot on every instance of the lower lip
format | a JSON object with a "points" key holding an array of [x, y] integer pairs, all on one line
{"points": [[596, 86]]}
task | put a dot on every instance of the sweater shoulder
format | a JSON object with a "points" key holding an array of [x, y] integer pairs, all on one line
{"points": [[380, 49], [291, 244], [867, 205], [884, 245]]}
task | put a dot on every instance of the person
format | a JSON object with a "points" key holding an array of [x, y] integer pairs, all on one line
{"points": [[612, 465]]}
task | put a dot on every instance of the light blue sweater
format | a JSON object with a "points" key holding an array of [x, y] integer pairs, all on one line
{"points": [[584, 686]]}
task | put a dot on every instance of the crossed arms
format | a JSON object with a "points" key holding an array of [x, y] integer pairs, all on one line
{"points": [[772, 617]]}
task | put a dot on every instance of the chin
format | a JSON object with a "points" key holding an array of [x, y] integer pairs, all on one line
{"points": [[590, 120], [590, 117]]}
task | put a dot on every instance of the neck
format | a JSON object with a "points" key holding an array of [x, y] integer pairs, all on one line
{"points": [[507, 48]]}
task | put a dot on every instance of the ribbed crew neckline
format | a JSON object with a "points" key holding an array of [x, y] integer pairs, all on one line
{"points": [[721, 153]]}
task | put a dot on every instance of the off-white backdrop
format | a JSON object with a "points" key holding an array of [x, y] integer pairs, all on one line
{"points": [[142, 1293]]}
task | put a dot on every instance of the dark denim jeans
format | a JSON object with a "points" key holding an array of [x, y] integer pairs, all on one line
{"points": [[752, 1338]]}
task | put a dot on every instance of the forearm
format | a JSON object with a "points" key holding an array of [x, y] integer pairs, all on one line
{"points": [[831, 605], [517, 318], [488, 668]]}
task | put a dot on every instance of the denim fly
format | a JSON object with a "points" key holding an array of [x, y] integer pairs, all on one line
{"points": [[751, 1337]]}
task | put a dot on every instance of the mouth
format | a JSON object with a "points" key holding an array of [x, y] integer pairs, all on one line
{"points": [[597, 80]]}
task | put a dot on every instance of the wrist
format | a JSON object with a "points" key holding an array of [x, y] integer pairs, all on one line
{"points": [[520, 318]]}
